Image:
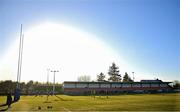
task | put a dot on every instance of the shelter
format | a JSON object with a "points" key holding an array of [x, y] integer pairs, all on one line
{"points": [[144, 86]]}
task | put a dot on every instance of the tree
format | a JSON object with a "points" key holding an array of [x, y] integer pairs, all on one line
{"points": [[8, 86], [84, 78], [29, 87], [176, 84], [127, 78], [114, 73], [100, 77], [26, 88]]}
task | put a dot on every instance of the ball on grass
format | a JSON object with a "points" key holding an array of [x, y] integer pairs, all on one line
{"points": [[39, 108]]}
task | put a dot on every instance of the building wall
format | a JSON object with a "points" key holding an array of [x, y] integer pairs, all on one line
{"points": [[94, 85], [116, 85], [81, 85], [136, 85], [104, 85], [69, 86], [145, 85]]}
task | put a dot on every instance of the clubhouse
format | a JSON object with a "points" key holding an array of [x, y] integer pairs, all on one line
{"points": [[144, 86]]}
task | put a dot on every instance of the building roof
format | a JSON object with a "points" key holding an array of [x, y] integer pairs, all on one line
{"points": [[157, 80]]}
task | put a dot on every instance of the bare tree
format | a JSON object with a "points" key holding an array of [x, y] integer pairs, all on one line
{"points": [[84, 78]]}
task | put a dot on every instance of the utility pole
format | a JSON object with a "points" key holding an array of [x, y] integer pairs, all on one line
{"points": [[48, 76], [54, 80], [133, 76]]}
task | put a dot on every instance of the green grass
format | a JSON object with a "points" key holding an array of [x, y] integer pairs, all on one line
{"points": [[138, 102]]}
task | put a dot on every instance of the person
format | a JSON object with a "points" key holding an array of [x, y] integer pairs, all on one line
{"points": [[17, 95], [9, 100]]}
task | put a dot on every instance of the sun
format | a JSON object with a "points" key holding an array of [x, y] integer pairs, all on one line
{"points": [[61, 47]]}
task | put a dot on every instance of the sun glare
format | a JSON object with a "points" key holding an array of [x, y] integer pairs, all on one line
{"points": [[61, 47]]}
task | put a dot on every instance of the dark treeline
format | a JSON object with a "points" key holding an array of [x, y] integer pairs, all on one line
{"points": [[29, 88]]}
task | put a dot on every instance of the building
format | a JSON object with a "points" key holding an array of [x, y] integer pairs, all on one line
{"points": [[86, 88]]}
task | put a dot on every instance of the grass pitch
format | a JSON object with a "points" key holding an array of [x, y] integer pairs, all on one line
{"points": [[137, 102]]}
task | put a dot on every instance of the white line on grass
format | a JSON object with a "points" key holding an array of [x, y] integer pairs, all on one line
{"points": [[66, 109]]}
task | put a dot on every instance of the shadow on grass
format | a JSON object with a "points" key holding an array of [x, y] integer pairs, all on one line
{"points": [[4, 109], [4, 105], [63, 99], [47, 102]]}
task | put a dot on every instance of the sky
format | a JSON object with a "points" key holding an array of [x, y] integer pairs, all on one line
{"points": [[141, 36]]}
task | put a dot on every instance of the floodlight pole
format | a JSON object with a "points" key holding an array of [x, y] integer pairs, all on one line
{"points": [[54, 80]]}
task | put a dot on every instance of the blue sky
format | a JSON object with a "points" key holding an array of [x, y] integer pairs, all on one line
{"points": [[146, 33]]}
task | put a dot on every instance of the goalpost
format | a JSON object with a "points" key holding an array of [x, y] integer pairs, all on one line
{"points": [[17, 90]]}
